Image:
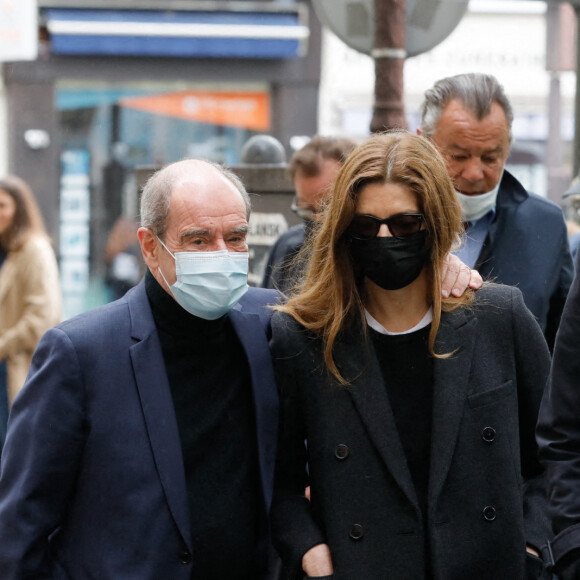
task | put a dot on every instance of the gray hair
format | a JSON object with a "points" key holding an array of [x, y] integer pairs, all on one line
{"points": [[476, 91], [156, 195]]}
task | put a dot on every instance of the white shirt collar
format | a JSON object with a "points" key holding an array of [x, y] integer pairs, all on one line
{"points": [[375, 325]]}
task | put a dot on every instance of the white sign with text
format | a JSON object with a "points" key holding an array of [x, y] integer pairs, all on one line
{"points": [[18, 30]]}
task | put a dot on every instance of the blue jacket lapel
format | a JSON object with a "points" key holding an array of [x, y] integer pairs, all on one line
{"points": [[252, 335], [157, 406], [511, 195]]}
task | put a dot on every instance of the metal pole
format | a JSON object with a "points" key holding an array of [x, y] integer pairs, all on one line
{"points": [[389, 54]]}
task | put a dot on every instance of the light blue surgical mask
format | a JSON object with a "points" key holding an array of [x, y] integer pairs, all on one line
{"points": [[209, 284], [474, 207]]}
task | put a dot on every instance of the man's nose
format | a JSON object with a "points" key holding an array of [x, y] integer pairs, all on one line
{"points": [[472, 170], [219, 244]]}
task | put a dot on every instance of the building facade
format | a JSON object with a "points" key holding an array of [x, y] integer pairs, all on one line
{"points": [[120, 84]]}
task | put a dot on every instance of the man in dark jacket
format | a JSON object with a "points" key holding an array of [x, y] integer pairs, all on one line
{"points": [[513, 236], [558, 437], [142, 444], [313, 170]]}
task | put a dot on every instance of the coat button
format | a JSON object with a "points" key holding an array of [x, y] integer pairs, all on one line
{"points": [[356, 532], [185, 557], [488, 434], [489, 513], [341, 451]]}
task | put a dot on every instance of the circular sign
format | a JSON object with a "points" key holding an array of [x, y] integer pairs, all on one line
{"points": [[429, 22]]}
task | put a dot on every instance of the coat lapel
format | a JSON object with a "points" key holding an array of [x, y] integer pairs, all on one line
{"points": [[252, 335], [456, 334], [485, 262], [158, 409], [511, 195], [357, 362]]}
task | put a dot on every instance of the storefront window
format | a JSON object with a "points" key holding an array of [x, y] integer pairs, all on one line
{"points": [[116, 128]]}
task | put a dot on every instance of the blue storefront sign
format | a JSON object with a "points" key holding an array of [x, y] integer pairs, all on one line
{"points": [[219, 34]]}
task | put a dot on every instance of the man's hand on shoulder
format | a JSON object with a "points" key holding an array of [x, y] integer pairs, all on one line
{"points": [[457, 277]]}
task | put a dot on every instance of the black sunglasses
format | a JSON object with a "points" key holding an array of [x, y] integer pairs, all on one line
{"points": [[364, 227]]}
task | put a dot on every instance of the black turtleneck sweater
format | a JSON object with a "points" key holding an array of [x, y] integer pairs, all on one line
{"points": [[210, 384]]}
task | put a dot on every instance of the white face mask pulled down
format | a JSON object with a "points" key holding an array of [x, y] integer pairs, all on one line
{"points": [[209, 284], [474, 207]]}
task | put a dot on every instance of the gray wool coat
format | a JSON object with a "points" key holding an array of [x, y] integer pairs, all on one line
{"points": [[486, 497]]}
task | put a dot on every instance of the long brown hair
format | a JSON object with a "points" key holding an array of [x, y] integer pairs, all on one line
{"points": [[27, 219], [329, 297]]}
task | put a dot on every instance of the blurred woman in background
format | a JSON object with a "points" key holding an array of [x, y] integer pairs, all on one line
{"points": [[30, 294], [418, 411]]}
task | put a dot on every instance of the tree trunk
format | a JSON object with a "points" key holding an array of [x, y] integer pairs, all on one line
{"points": [[389, 55]]}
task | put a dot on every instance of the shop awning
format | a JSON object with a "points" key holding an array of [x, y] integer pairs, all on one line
{"points": [[220, 34]]}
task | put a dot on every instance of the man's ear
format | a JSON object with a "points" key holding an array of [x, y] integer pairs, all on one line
{"points": [[149, 247], [419, 131]]}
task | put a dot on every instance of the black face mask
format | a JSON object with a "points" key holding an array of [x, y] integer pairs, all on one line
{"points": [[391, 263]]}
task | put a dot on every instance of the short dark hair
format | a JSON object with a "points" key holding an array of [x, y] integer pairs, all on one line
{"points": [[309, 159], [476, 91]]}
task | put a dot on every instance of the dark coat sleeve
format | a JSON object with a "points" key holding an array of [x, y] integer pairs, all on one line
{"points": [[559, 431], [40, 459], [294, 528], [532, 367]]}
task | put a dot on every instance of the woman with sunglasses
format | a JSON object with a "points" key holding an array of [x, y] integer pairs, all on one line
{"points": [[411, 416]]}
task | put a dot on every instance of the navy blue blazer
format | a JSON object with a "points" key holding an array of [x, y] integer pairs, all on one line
{"points": [[527, 247], [92, 482]]}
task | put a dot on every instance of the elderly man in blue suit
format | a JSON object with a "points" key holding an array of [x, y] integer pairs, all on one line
{"points": [[142, 445], [513, 236]]}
